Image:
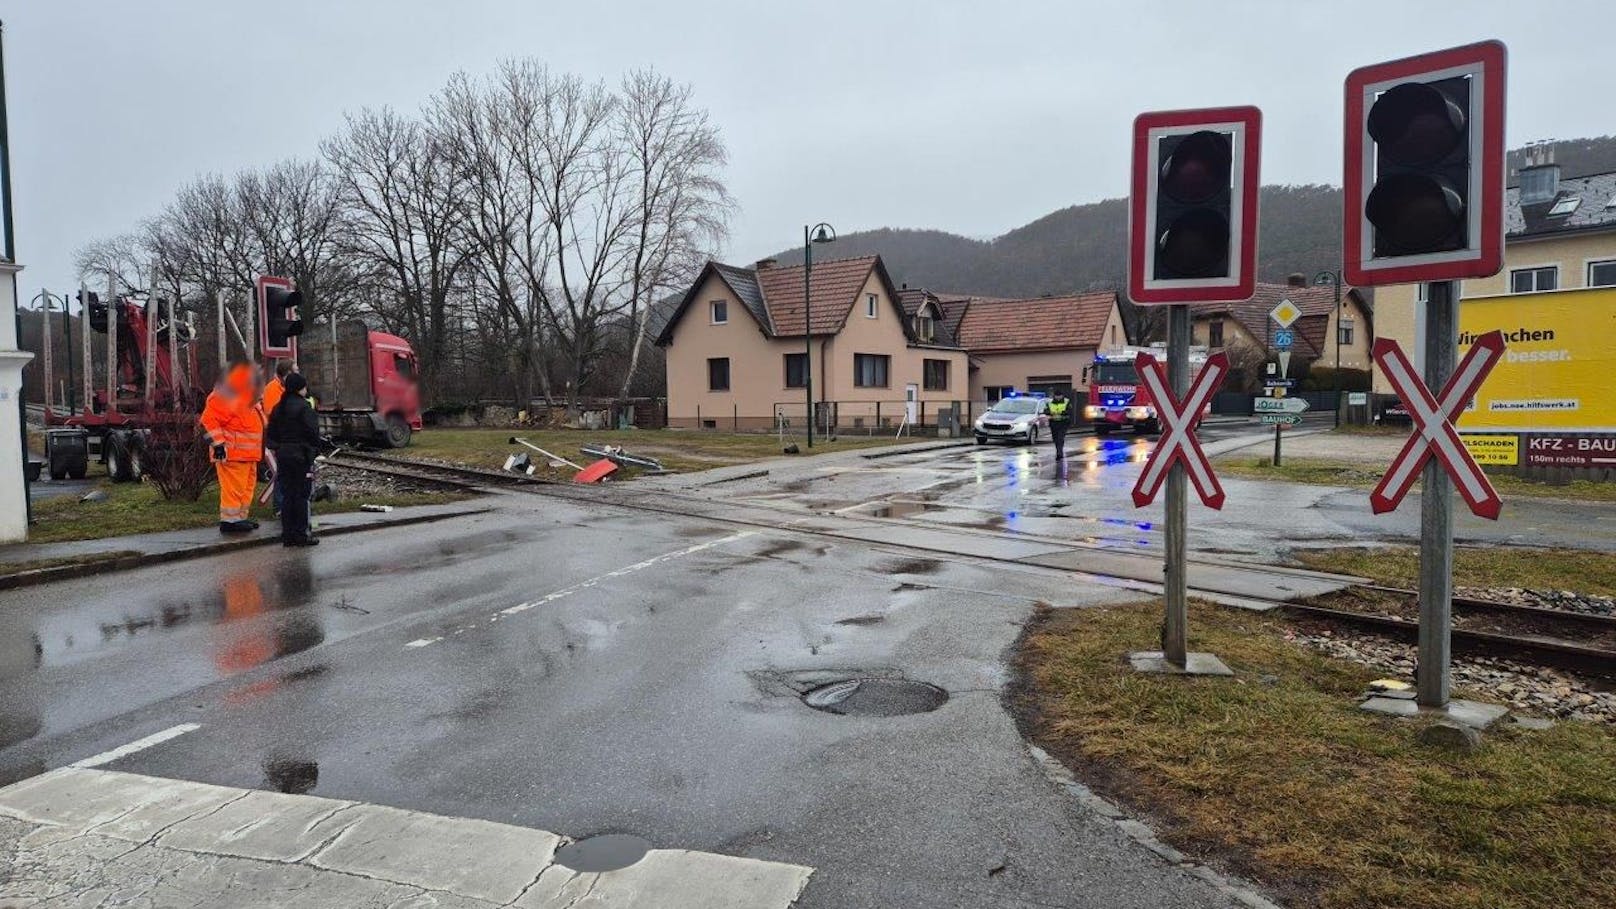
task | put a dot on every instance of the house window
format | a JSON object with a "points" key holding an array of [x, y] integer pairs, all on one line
{"points": [[936, 375], [1214, 333], [797, 370], [870, 308], [1602, 274], [870, 370], [718, 374], [1527, 280], [1048, 384], [1343, 332], [1565, 206], [925, 329], [720, 311], [1113, 336], [993, 393]]}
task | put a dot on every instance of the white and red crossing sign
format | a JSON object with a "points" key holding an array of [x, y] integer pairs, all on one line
{"points": [[1433, 425], [1178, 441]]}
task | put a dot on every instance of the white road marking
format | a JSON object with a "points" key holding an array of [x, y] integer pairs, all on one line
{"points": [[123, 751], [596, 581]]}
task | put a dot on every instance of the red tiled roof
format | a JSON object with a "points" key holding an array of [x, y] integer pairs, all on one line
{"points": [[1316, 304], [1042, 323], [836, 285]]}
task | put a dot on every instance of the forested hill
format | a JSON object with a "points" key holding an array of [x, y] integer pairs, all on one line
{"points": [[1083, 247]]}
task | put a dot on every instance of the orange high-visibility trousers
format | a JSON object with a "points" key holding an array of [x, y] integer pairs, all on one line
{"points": [[237, 480]]}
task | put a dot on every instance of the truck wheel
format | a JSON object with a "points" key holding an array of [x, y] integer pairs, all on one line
{"points": [[118, 467], [398, 432]]}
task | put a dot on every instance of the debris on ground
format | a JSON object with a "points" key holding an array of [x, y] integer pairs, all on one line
{"points": [[1529, 689], [621, 458], [348, 483]]}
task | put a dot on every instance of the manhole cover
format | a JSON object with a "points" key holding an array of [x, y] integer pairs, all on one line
{"points": [[876, 697], [607, 852]]}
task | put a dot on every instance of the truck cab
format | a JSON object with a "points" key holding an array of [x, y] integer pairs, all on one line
{"points": [[363, 383], [1117, 399]]}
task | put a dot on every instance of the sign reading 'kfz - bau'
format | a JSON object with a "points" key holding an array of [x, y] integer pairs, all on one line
{"points": [[1570, 451]]}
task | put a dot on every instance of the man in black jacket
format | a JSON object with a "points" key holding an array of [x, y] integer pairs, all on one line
{"points": [[294, 435]]}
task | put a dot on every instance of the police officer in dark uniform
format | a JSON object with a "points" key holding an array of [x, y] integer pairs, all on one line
{"points": [[294, 436], [1060, 420]]}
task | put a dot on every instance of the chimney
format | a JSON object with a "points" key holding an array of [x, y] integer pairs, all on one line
{"points": [[1540, 176], [765, 263], [1296, 279]]}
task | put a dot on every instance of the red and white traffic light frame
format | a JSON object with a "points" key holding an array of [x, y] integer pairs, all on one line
{"points": [[1483, 254], [1434, 432], [261, 286], [1178, 441], [1244, 127]]}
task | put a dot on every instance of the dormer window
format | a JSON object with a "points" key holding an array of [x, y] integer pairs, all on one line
{"points": [[925, 327], [1565, 206]]}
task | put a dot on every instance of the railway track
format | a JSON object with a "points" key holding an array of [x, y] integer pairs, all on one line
{"points": [[1573, 641], [1577, 642], [443, 475]]}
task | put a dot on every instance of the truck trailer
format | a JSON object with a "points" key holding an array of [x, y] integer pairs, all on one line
{"points": [[363, 384]]}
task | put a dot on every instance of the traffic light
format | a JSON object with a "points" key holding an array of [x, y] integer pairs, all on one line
{"points": [[1193, 206], [1424, 167], [284, 324], [278, 319]]}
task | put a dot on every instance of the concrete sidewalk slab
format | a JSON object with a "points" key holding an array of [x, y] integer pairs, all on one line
{"points": [[65, 840]]}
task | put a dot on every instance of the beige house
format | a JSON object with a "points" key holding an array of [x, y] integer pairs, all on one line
{"points": [[736, 356], [1559, 234], [1245, 332]]}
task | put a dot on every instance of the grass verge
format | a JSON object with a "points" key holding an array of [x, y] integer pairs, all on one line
{"points": [[132, 508], [682, 450], [1278, 774], [1332, 472], [1544, 569]]}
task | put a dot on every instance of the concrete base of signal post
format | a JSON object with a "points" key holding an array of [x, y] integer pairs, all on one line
{"points": [[1473, 714], [1155, 661]]}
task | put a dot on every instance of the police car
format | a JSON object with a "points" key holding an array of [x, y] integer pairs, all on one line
{"points": [[1017, 417]]}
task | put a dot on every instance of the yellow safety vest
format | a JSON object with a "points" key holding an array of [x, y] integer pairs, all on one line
{"points": [[1057, 409]]}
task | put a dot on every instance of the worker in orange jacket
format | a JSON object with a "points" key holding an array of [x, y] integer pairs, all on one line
{"points": [[234, 421]]}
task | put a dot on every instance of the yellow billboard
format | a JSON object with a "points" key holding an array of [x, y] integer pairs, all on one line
{"points": [[1558, 372]]}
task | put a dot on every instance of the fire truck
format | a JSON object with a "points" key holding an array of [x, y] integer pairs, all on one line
{"points": [[1116, 398]]}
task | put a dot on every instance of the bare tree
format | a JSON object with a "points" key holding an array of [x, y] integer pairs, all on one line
{"points": [[122, 259], [403, 216], [295, 222], [680, 207]]}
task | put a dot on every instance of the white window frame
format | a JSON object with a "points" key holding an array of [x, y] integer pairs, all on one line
{"points": [[712, 312], [872, 306], [1588, 271], [1537, 267]]}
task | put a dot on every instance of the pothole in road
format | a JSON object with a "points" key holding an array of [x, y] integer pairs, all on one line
{"points": [[607, 852], [876, 697]]}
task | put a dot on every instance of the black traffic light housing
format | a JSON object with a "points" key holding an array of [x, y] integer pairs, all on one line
{"points": [[1421, 197], [1193, 206], [281, 305], [1424, 180]]}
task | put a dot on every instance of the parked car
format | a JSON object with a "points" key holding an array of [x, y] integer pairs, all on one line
{"points": [[1014, 418]]}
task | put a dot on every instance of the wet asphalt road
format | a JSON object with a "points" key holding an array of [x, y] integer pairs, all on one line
{"points": [[587, 669]]}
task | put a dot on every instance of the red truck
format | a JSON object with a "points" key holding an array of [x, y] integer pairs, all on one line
{"points": [[1116, 398], [363, 383], [154, 383]]}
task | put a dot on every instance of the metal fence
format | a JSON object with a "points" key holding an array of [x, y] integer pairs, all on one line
{"points": [[925, 416]]}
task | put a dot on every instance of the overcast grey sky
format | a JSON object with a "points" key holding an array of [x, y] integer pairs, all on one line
{"points": [[970, 117]]}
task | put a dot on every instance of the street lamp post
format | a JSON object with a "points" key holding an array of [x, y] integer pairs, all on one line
{"points": [[819, 233], [1333, 278]]}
